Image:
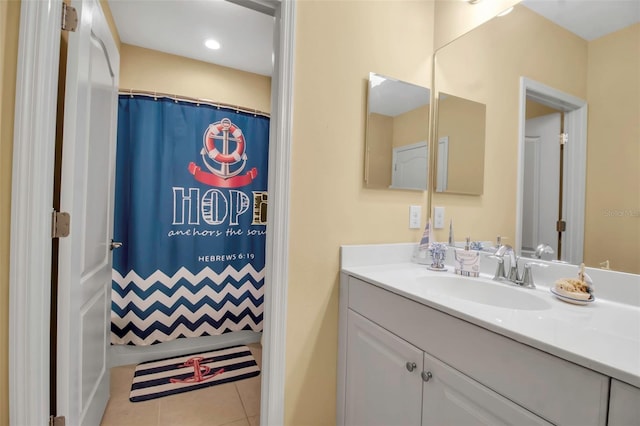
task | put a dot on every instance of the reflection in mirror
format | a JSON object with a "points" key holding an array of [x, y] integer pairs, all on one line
{"points": [[541, 183], [460, 150], [601, 69], [396, 137]]}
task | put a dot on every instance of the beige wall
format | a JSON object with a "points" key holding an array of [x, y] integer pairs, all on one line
{"points": [[463, 121], [9, 24], [411, 127], [534, 109], [456, 17], [337, 45], [612, 216], [379, 146], [495, 81], [150, 70]]}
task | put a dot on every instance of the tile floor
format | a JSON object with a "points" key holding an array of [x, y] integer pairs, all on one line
{"points": [[229, 404]]}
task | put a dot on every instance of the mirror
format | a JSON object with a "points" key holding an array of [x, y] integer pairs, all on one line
{"points": [[396, 135], [460, 126], [488, 65]]}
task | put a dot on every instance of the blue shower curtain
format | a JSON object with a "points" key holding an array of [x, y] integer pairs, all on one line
{"points": [[190, 210]]}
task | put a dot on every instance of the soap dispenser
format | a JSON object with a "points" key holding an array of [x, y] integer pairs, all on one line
{"points": [[467, 260]]}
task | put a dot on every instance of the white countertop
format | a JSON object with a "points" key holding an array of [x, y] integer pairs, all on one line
{"points": [[603, 336]]}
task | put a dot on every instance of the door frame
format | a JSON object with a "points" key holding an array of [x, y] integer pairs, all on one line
{"points": [[442, 161], [32, 201], [575, 163]]}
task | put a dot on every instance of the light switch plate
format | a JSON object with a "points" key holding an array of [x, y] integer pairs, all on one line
{"points": [[438, 217], [414, 217]]}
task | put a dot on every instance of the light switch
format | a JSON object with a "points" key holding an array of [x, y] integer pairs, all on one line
{"points": [[438, 217], [414, 217]]}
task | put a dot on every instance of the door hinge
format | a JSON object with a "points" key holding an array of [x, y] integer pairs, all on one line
{"points": [[564, 138], [60, 224], [56, 421], [561, 226], [69, 18]]}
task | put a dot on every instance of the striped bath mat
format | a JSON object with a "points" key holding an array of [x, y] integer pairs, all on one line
{"points": [[155, 379]]}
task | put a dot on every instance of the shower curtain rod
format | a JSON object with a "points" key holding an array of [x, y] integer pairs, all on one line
{"points": [[198, 101]]}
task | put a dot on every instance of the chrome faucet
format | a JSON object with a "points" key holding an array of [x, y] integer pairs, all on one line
{"points": [[503, 250], [514, 276]]}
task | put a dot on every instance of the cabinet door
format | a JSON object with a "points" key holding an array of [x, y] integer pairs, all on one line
{"points": [[624, 404], [380, 388], [451, 398]]}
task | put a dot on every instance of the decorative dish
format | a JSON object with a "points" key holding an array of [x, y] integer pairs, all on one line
{"points": [[571, 299]]}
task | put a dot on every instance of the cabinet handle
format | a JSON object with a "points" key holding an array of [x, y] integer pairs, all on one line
{"points": [[426, 375], [411, 365]]}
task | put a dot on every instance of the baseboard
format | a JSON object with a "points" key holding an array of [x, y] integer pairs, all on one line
{"points": [[127, 354]]}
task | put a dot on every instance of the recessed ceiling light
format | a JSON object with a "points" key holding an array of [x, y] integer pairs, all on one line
{"points": [[212, 44]]}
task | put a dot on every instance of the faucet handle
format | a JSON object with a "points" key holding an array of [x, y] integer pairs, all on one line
{"points": [[527, 276], [514, 275], [499, 274]]}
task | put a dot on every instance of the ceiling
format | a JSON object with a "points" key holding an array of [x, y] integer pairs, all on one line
{"points": [[181, 28], [589, 19], [390, 97]]}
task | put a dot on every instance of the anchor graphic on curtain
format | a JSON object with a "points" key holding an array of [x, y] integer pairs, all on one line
{"points": [[224, 176]]}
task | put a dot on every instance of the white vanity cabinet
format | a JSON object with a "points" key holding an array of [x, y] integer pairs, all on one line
{"points": [[464, 373], [624, 406], [383, 384], [391, 382]]}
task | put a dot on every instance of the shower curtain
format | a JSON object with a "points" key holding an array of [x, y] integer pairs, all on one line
{"points": [[190, 211]]}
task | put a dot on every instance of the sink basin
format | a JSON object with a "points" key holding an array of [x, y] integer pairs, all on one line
{"points": [[486, 292]]}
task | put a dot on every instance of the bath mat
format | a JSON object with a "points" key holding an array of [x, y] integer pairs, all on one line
{"points": [[170, 376]]}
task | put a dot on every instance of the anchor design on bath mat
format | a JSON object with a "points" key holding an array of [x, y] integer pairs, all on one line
{"points": [[200, 372]]}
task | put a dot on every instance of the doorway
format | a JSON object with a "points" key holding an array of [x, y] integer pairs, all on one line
{"points": [[542, 185], [572, 180], [31, 214]]}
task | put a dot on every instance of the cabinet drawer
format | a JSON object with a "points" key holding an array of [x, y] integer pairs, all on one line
{"points": [[557, 390]]}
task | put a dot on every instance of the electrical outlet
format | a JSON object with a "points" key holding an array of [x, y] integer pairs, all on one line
{"points": [[438, 217], [414, 217]]}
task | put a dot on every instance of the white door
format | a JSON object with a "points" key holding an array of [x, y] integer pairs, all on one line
{"points": [[409, 167], [383, 384], [87, 187], [541, 182], [442, 168], [451, 398]]}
